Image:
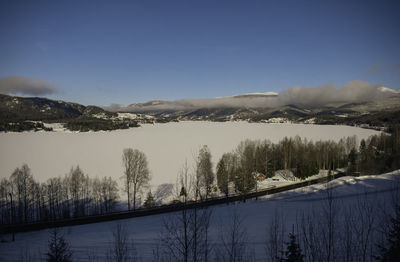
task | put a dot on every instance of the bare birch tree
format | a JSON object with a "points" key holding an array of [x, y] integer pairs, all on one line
{"points": [[136, 173]]}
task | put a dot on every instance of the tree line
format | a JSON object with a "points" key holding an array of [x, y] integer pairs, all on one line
{"points": [[304, 158], [25, 200]]}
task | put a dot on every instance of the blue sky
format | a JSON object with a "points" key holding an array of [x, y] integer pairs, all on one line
{"points": [[103, 52]]}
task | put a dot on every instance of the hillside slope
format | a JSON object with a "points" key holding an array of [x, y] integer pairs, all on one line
{"points": [[30, 113], [364, 199]]}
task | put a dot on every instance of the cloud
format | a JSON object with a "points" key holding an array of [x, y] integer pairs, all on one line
{"points": [[115, 108], [354, 91], [326, 95], [25, 86]]}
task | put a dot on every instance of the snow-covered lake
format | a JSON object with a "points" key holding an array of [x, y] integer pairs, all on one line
{"points": [[167, 146]]}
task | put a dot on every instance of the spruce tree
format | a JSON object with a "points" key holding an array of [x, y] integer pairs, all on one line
{"points": [[149, 202], [59, 250], [293, 252]]}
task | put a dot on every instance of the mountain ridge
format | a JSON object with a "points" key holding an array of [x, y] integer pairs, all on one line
{"points": [[29, 113]]}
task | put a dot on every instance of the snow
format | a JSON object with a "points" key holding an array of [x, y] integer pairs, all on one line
{"points": [[100, 115], [167, 146], [139, 117], [260, 94], [277, 120], [257, 217], [57, 127], [310, 121], [127, 116], [388, 90]]}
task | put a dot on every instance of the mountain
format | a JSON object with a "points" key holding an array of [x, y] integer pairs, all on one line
{"points": [[32, 113], [43, 109], [252, 95], [37, 109], [382, 110]]}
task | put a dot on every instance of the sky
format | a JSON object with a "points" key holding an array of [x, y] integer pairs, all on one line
{"points": [[104, 52]]}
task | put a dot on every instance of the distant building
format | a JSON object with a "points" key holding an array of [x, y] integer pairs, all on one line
{"points": [[260, 177]]}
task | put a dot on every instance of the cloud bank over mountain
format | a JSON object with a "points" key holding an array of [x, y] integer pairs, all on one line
{"points": [[25, 86], [353, 92]]}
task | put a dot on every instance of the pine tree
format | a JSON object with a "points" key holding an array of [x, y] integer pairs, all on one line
{"points": [[392, 251], [293, 252], [59, 250]]}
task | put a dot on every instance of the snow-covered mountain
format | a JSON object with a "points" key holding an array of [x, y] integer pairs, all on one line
{"points": [[358, 103], [371, 105]]}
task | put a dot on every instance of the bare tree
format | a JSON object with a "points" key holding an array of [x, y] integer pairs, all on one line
{"points": [[77, 188], [175, 237], [122, 248], [275, 238], [347, 237], [127, 159], [329, 231], [109, 193], [185, 234], [363, 225], [5, 194], [136, 174], [310, 237], [233, 239], [21, 180]]}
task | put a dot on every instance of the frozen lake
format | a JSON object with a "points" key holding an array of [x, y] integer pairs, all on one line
{"points": [[167, 146]]}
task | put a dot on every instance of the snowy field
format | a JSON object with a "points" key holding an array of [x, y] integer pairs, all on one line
{"points": [[372, 193], [167, 146]]}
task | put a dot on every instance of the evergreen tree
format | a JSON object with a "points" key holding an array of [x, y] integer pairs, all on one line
{"points": [[391, 252], [204, 172], [59, 250], [293, 252], [149, 202], [352, 156], [223, 177], [244, 182]]}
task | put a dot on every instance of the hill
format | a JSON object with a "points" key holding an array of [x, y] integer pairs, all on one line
{"points": [[32, 113]]}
